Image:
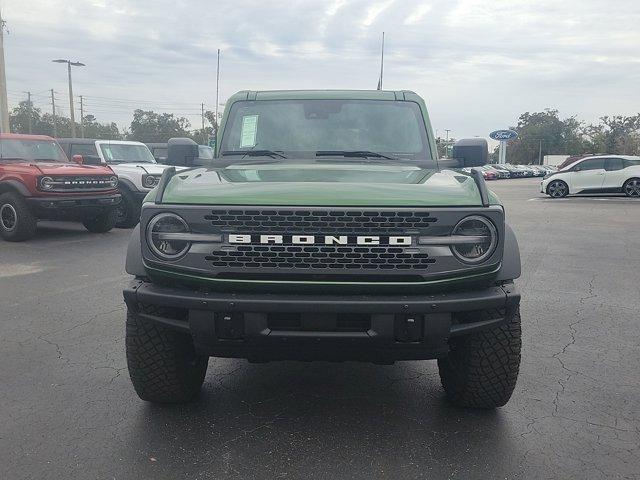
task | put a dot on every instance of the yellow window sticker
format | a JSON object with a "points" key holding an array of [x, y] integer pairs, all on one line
{"points": [[249, 131]]}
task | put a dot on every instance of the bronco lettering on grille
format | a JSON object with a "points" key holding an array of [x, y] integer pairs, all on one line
{"points": [[321, 239]]}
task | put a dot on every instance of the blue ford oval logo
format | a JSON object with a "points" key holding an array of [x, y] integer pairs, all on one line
{"points": [[504, 135]]}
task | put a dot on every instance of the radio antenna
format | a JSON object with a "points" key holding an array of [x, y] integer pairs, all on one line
{"points": [[381, 64]]}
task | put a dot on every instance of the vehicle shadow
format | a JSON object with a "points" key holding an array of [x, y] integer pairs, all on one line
{"points": [[65, 231], [322, 420]]}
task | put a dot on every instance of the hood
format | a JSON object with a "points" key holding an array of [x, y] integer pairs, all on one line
{"points": [[151, 168], [144, 168], [58, 168], [323, 185]]}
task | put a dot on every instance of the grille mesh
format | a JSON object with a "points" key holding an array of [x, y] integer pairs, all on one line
{"points": [[319, 221], [320, 258]]}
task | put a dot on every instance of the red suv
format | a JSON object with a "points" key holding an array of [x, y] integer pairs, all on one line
{"points": [[37, 181]]}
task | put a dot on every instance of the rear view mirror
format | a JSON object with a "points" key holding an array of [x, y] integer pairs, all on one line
{"points": [[471, 152]]}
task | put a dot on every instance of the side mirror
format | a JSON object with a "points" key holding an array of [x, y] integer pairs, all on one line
{"points": [[182, 152], [79, 159], [471, 152], [577, 168], [92, 160]]}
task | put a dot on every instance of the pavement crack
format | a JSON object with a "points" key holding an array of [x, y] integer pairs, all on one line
{"points": [[573, 331]]}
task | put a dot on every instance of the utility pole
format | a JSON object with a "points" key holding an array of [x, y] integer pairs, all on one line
{"points": [[81, 118], [540, 153], [53, 109], [71, 112], [4, 103], [217, 90], [446, 144], [30, 110], [204, 136]]}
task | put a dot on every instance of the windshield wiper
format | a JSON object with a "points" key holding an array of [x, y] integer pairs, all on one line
{"points": [[353, 153], [250, 162], [254, 153]]}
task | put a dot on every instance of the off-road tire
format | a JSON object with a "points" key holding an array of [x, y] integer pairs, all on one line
{"points": [[101, 223], [163, 364], [128, 210], [17, 209], [481, 369]]}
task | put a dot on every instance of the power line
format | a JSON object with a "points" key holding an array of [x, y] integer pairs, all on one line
{"points": [[139, 101]]}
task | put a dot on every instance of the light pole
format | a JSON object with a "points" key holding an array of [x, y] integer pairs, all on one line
{"points": [[69, 65], [446, 144], [4, 104]]}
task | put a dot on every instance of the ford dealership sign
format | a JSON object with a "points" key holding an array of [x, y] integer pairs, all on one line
{"points": [[504, 135]]}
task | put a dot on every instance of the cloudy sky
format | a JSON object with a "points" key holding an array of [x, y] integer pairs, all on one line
{"points": [[478, 63]]}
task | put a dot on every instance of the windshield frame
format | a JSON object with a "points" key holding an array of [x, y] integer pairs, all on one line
{"points": [[125, 144], [426, 155]]}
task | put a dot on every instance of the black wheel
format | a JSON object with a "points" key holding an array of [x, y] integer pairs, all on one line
{"points": [[481, 369], [557, 189], [102, 222], [631, 187], [163, 364], [128, 210], [17, 223]]}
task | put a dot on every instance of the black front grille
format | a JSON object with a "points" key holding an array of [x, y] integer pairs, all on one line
{"points": [[320, 257], [315, 221], [79, 183]]}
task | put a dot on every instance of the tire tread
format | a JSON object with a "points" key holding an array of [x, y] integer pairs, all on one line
{"points": [[482, 369], [162, 362]]}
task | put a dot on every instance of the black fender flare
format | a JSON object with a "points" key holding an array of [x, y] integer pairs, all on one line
{"points": [[14, 186], [133, 264], [511, 266], [125, 184]]}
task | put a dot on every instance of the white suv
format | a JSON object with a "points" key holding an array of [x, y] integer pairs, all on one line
{"points": [[601, 174], [134, 164]]}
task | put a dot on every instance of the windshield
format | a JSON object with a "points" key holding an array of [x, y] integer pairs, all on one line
{"points": [[302, 128], [31, 150], [123, 152]]}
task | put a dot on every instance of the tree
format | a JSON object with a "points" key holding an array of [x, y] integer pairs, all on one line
{"points": [[444, 147], [106, 131], [617, 134], [43, 124], [19, 119], [149, 126], [545, 133]]}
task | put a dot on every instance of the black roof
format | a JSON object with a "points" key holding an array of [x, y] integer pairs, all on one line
{"points": [[81, 141]]}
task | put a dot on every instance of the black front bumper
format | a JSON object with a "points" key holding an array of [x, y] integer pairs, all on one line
{"points": [[72, 206], [267, 327]]}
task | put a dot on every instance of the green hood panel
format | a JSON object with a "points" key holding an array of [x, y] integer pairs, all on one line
{"points": [[323, 185]]}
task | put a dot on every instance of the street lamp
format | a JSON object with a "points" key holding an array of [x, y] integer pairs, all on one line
{"points": [[69, 65]]}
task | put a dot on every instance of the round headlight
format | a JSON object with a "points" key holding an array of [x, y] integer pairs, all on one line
{"points": [[46, 183], [113, 181], [159, 236], [482, 241], [150, 181]]}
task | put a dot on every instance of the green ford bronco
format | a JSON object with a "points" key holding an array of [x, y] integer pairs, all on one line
{"points": [[326, 228]]}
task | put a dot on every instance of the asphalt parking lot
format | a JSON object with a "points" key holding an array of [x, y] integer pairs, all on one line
{"points": [[68, 409]]}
